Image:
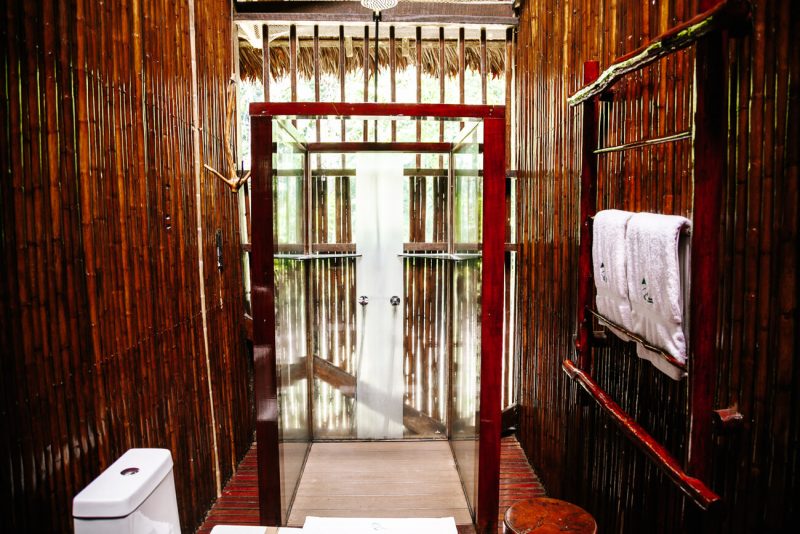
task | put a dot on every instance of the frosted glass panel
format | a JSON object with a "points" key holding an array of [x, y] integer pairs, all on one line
{"points": [[379, 233]]}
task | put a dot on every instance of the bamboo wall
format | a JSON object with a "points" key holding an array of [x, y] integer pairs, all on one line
{"points": [[579, 453], [100, 324]]}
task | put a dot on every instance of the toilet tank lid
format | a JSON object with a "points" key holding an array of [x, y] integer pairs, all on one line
{"points": [[123, 487]]}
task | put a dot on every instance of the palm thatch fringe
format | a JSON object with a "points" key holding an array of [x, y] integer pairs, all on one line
{"points": [[250, 58]]}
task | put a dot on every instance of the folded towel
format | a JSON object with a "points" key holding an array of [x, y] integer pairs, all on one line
{"points": [[347, 525], [657, 253], [658, 361], [610, 278]]}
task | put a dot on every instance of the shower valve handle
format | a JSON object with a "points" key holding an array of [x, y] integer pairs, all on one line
{"points": [[363, 300], [394, 301]]}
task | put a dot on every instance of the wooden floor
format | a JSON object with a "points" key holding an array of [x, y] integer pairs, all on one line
{"points": [[238, 503], [380, 479]]}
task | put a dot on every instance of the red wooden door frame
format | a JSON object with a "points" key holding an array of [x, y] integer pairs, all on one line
{"points": [[492, 279]]}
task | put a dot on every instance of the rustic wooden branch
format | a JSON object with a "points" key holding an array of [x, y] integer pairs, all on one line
{"points": [[725, 14], [341, 380], [421, 423], [695, 489], [233, 184], [233, 181]]}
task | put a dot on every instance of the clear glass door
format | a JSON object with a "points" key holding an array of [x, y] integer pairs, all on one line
{"points": [[467, 179], [291, 350], [379, 227], [332, 296]]}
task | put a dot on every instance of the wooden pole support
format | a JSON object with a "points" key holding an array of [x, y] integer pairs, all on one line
{"points": [[588, 207]]}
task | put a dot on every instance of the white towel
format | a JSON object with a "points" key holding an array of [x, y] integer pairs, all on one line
{"points": [[608, 259], [657, 252], [346, 525]]}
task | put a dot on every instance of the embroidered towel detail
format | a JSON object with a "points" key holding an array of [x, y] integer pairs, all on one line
{"points": [[657, 252], [608, 259]]}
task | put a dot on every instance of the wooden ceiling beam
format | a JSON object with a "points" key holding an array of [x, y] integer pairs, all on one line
{"points": [[482, 14]]}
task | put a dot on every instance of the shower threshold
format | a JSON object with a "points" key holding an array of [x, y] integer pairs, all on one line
{"points": [[380, 479]]}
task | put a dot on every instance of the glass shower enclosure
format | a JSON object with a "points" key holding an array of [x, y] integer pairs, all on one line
{"points": [[378, 290]]}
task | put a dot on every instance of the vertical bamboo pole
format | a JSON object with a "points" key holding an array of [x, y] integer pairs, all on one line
{"points": [[316, 88], [509, 75], [483, 66], [87, 222], [265, 61], [709, 171], [366, 78], [197, 161], [392, 76], [342, 89], [442, 70], [293, 63], [418, 44], [307, 267], [462, 67], [591, 70]]}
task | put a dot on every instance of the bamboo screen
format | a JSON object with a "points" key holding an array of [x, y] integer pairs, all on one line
{"points": [[580, 455], [101, 324]]}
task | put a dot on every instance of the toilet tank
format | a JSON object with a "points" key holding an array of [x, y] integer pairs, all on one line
{"points": [[135, 495]]}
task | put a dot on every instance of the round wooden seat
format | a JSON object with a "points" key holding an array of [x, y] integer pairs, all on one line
{"points": [[544, 515]]}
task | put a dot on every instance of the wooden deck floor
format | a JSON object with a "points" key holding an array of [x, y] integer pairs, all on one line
{"points": [[238, 503], [380, 479]]}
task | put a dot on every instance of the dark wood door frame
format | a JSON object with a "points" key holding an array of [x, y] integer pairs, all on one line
{"points": [[492, 280]]}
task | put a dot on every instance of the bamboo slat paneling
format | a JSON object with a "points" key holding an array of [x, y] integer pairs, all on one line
{"points": [[101, 325], [581, 456]]}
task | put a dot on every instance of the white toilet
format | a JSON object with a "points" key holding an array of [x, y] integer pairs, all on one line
{"points": [[135, 495]]}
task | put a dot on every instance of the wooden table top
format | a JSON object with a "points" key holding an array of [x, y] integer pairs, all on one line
{"points": [[544, 515]]}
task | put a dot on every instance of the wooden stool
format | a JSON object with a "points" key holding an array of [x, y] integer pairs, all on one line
{"points": [[543, 515]]}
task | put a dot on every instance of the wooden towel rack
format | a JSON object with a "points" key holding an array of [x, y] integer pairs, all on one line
{"points": [[708, 32]]}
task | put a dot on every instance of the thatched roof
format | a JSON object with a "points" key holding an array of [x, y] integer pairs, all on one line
{"points": [[250, 58]]}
